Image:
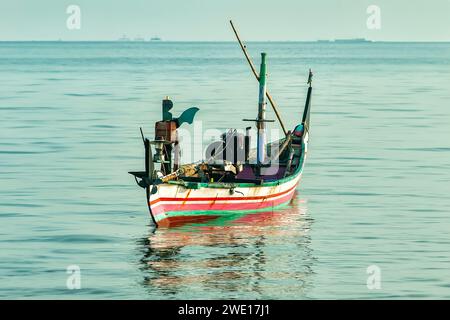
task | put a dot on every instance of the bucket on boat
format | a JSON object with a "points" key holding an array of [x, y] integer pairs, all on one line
{"points": [[298, 131]]}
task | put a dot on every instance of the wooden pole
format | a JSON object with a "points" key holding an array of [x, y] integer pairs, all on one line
{"points": [[252, 66], [281, 148]]}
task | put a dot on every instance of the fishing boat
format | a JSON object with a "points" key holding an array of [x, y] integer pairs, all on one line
{"points": [[232, 178]]}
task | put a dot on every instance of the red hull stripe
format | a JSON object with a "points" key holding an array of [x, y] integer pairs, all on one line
{"points": [[159, 211], [224, 198]]}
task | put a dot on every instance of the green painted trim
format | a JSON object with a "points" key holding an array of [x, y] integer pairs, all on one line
{"points": [[222, 212], [262, 70]]}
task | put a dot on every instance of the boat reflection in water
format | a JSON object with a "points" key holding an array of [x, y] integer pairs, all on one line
{"points": [[256, 255]]}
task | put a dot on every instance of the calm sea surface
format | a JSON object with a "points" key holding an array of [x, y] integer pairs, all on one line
{"points": [[375, 189]]}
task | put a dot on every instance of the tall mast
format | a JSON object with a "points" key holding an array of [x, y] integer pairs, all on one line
{"points": [[260, 123], [252, 67]]}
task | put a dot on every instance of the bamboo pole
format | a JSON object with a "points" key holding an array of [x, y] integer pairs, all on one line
{"points": [[281, 148], [252, 66]]}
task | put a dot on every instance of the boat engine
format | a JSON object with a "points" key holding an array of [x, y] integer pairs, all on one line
{"points": [[233, 148]]}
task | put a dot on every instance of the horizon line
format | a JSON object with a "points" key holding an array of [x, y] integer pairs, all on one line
{"points": [[331, 41]]}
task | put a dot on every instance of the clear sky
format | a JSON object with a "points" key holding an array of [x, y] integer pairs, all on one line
{"points": [[401, 20]]}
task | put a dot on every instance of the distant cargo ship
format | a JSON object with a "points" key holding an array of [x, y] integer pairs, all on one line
{"points": [[124, 38], [356, 40], [155, 39]]}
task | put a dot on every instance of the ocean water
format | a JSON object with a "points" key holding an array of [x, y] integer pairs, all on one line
{"points": [[375, 189]]}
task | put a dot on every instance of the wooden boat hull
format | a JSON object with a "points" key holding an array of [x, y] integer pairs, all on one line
{"points": [[179, 202]]}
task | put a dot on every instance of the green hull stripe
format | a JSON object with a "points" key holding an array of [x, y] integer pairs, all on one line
{"points": [[171, 214]]}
